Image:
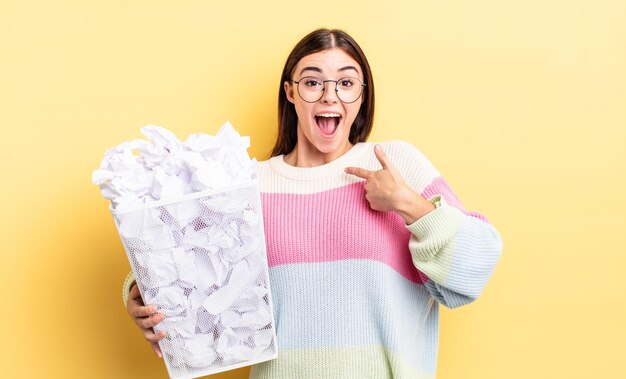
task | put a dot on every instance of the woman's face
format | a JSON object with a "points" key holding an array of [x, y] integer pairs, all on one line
{"points": [[324, 125]]}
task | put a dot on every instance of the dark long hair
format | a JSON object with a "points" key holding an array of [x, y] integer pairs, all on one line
{"points": [[316, 41]]}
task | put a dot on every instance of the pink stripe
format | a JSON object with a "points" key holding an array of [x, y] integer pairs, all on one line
{"points": [[440, 187], [335, 225]]}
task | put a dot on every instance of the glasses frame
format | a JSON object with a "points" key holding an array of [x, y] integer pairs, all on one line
{"points": [[324, 88]]}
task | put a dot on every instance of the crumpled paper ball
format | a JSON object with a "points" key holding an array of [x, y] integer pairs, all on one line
{"points": [[163, 167]]}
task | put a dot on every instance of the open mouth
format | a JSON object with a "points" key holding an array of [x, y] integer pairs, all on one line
{"points": [[328, 122]]}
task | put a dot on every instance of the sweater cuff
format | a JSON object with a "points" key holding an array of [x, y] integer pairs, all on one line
{"points": [[436, 228], [128, 284]]}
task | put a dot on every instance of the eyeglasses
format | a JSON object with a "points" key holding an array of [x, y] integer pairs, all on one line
{"points": [[311, 89]]}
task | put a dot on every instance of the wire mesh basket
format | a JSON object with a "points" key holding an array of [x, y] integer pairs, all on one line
{"points": [[201, 260]]}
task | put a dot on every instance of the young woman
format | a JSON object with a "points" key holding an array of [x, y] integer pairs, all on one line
{"points": [[364, 241]]}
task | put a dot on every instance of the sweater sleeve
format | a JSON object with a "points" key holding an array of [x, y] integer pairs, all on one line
{"points": [[128, 284], [456, 249]]}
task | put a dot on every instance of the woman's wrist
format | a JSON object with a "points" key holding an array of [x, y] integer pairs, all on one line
{"points": [[412, 207]]}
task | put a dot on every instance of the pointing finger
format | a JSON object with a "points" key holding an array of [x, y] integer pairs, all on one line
{"points": [[382, 157], [360, 172]]}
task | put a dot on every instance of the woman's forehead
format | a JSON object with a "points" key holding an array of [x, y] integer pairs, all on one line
{"points": [[328, 61]]}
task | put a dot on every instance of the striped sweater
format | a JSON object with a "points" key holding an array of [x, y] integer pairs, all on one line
{"points": [[356, 292]]}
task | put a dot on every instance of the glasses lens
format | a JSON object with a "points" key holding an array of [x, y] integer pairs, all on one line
{"points": [[349, 89], [310, 89]]}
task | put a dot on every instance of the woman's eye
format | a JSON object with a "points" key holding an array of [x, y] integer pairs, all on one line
{"points": [[312, 83], [346, 83]]}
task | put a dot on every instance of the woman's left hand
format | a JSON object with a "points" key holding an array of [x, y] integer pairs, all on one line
{"points": [[386, 190]]}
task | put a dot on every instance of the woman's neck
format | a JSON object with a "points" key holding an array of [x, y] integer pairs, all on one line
{"points": [[309, 156]]}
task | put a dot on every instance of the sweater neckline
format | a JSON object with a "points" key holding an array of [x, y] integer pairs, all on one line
{"points": [[336, 167]]}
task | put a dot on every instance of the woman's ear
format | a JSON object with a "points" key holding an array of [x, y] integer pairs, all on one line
{"points": [[289, 91]]}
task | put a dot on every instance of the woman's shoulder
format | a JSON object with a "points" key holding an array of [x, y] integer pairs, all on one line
{"points": [[410, 161], [398, 149]]}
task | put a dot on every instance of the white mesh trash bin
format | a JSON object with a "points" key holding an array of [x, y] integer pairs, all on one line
{"points": [[201, 260]]}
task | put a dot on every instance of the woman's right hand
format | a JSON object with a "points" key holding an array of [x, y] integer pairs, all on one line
{"points": [[146, 317]]}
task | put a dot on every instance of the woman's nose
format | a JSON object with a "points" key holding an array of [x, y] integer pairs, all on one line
{"points": [[330, 92]]}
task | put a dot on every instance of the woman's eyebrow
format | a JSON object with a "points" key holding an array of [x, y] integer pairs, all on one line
{"points": [[311, 68], [349, 68]]}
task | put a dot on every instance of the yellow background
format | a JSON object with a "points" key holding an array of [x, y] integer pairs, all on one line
{"points": [[520, 105]]}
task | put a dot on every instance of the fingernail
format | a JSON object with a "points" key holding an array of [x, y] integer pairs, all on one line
{"points": [[377, 147]]}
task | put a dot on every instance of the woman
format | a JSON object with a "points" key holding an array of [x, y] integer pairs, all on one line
{"points": [[364, 241]]}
